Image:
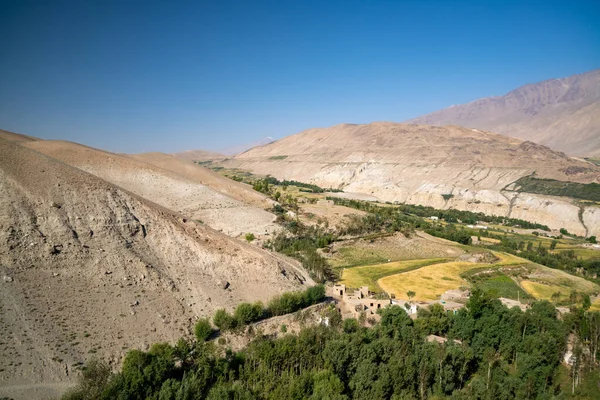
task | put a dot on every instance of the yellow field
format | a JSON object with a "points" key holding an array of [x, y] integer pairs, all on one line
{"points": [[368, 275], [546, 281], [542, 291], [431, 281], [489, 240]]}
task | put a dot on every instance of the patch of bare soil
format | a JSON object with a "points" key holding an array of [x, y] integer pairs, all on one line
{"points": [[395, 247], [323, 210]]}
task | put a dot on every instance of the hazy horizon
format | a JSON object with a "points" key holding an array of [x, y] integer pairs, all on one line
{"points": [[158, 76]]}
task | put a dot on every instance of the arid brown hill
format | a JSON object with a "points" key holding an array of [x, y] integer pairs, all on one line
{"points": [[199, 155], [443, 167], [196, 192], [563, 114], [87, 267]]}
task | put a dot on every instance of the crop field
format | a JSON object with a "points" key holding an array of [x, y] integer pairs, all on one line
{"points": [[502, 286], [369, 275], [388, 248], [431, 281], [544, 291], [595, 305]]}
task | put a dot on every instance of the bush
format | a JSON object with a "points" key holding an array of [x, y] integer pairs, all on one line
{"points": [[203, 330], [91, 383], [224, 321], [246, 313], [250, 237], [293, 301]]}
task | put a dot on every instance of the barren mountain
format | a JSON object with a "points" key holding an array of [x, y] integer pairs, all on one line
{"points": [[237, 190], [443, 167], [179, 186], [563, 114], [199, 155], [90, 268]]}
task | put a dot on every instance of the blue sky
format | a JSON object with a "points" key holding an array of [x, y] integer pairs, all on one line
{"points": [[135, 76]]}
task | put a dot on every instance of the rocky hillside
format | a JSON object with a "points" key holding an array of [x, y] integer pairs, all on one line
{"points": [[563, 114], [89, 268], [178, 185], [443, 167]]}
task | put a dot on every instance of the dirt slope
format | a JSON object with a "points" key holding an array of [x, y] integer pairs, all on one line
{"points": [[89, 268], [563, 114], [15, 137], [443, 167], [179, 187], [237, 190], [199, 155]]}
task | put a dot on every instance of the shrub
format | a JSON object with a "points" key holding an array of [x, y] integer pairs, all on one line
{"points": [[203, 330], [246, 313], [250, 237], [224, 321], [92, 382]]}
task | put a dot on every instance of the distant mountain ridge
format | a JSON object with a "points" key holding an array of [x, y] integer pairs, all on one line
{"points": [[563, 114], [442, 167]]}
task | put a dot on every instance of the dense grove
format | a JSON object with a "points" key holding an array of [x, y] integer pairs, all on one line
{"points": [[449, 215], [584, 191], [492, 353]]}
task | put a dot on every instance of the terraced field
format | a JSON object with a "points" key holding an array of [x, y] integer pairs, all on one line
{"points": [[370, 274], [431, 281]]}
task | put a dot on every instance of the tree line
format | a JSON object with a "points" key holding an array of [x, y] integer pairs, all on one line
{"points": [[487, 352]]}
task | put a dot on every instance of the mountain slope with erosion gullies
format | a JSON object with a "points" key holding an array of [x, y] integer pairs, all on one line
{"points": [[563, 114], [90, 268], [442, 167], [232, 208]]}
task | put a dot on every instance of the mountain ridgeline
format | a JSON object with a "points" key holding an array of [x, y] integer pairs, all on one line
{"points": [[563, 114], [442, 167]]}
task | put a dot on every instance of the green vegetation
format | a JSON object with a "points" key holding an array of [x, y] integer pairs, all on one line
{"points": [[450, 215], [265, 185], [566, 260], [499, 354], [551, 187], [247, 313], [250, 237], [301, 242], [496, 285], [277, 158], [203, 330]]}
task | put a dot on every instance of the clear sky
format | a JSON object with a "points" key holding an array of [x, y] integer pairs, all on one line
{"points": [[135, 76]]}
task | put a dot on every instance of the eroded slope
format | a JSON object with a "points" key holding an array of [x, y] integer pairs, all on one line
{"points": [[91, 268], [442, 167], [176, 186]]}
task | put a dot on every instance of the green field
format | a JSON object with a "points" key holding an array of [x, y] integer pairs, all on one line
{"points": [[369, 275], [502, 286]]}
